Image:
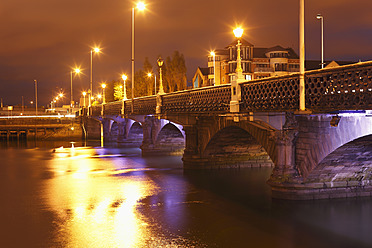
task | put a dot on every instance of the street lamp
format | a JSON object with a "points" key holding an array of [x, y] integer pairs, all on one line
{"points": [[302, 56], [35, 96], [95, 50], [213, 54], [84, 94], [235, 87], [150, 75], [321, 18], [124, 77], [140, 6], [104, 97], [238, 32], [160, 64], [77, 71]]}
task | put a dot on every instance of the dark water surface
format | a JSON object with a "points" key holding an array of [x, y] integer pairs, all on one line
{"points": [[112, 197]]}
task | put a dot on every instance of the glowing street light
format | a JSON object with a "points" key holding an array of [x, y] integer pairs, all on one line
{"points": [[124, 77], [150, 75], [238, 32], [92, 50], [213, 54], [235, 87], [321, 18], [103, 89], [76, 71], [140, 6], [84, 94], [160, 64]]}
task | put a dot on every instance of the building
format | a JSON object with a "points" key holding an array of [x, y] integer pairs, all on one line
{"points": [[256, 63]]}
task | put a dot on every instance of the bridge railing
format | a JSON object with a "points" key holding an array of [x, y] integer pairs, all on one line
{"points": [[340, 88], [270, 94], [214, 99]]}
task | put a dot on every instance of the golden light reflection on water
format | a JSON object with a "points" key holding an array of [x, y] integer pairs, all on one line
{"points": [[97, 209]]}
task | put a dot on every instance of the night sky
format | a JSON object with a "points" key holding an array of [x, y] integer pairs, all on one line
{"points": [[44, 39]]}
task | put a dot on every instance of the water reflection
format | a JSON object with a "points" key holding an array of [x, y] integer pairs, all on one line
{"points": [[97, 208], [112, 197]]}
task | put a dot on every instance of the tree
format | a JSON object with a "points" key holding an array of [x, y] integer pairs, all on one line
{"points": [[175, 72]]}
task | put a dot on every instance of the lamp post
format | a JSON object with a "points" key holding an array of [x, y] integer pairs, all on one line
{"points": [[84, 94], [235, 87], [321, 18], [302, 55], [150, 75], [77, 71], [103, 93], [35, 96], [95, 50], [238, 32], [124, 77], [160, 64], [140, 6], [213, 54]]}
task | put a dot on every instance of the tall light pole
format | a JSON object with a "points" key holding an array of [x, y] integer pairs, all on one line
{"points": [[213, 54], [35, 96], [77, 71], [95, 50], [160, 64], [140, 6], [321, 18], [302, 55]]}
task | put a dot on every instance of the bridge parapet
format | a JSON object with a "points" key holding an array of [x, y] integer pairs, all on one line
{"points": [[340, 88]]}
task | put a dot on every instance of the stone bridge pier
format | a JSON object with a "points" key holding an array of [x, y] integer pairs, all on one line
{"points": [[313, 156]]}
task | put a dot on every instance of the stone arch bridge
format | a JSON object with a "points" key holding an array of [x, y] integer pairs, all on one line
{"points": [[323, 152]]}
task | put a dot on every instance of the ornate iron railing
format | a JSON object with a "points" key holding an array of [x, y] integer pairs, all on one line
{"points": [[204, 100], [340, 88], [326, 90]]}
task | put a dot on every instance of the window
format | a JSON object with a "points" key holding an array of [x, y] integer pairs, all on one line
{"points": [[280, 67]]}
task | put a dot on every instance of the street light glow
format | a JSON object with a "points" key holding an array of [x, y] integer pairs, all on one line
{"points": [[96, 49], [77, 70], [103, 86], [149, 74], [213, 53], [84, 93], [124, 77], [141, 6], [238, 32]]}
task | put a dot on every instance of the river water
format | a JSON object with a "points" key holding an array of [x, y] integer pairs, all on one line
{"points": [[112, 197]]}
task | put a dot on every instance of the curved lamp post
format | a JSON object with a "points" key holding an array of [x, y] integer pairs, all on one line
{"points": [[90, 91]]}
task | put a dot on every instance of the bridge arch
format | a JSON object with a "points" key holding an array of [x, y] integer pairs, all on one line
{"points": [[348, 165], [171, 138], [236, 144], [318, 138]]}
